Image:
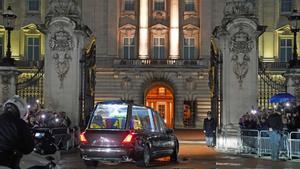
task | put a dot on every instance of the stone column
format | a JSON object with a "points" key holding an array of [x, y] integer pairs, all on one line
{"points": [[293, 83], [8, 80], [143, 37], [174, 30], [65, 37], [237, 39]]}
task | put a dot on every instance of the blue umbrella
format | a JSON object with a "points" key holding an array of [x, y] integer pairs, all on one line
{"points": [[282, 98]]}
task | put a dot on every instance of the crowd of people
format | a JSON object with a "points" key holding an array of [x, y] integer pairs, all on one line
{"points": [[259, 120], [278, 122], [39, 117]]}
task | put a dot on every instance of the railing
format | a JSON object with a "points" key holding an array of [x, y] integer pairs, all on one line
{"points": [[275, 66], [258, 142], [29, 64], [203, 62], [30, 82]]}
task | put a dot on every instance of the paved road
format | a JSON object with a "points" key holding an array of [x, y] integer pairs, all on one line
{"points": [[191, 156]]}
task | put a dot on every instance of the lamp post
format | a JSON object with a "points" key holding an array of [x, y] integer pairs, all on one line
{"points": [[9, 22], [294, 18]]}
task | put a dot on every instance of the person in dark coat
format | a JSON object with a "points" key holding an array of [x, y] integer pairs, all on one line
{"points": [[15, 136], [209, 130], [275, 129]]}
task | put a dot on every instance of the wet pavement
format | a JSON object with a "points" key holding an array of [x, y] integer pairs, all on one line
{"points": [[191, 156]]}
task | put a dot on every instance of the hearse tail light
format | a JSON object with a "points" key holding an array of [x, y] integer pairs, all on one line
{"points": [[83, 139], [128, 139]]}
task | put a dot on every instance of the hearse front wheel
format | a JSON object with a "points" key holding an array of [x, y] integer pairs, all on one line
{"points": [[145, 160]]}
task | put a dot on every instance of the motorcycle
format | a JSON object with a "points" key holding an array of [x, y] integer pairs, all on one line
{"points": [[45, 154]]}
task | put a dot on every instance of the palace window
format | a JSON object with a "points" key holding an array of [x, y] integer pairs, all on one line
{"points": [[33, 48], [129, 5], [159, 5], [189, 5], [285, 49], [159, 48], [33, 5], [286, 6], [1, 5], [1, 46], [189, 48], [128, 47]]}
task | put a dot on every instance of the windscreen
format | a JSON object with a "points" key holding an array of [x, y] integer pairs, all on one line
{"points": [[109, 116]]}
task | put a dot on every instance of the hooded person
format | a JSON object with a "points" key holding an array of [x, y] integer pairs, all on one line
{"points": [[15, 136]]}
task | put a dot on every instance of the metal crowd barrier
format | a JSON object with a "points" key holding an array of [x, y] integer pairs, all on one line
{"points": [[250, 141], [258, 142], [294, 144], [264, 143], [62, 137]]}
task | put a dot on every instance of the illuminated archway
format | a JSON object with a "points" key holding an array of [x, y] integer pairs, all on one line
{"points": [[160, 97]]}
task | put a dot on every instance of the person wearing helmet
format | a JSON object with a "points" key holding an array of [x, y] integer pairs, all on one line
{"points": [[15, 136]]}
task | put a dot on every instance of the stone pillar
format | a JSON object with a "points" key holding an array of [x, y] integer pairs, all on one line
{"points": [[143, 37], [174, 30], [65, 38], [237, 39], [8, 80], [178, 115], [293, 83]]}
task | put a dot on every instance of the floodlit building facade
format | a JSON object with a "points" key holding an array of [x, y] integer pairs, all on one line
{"points": [[156, 53], [153, 52], [275, 46]]}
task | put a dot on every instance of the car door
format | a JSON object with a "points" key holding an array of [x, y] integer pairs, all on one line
{"points": [[166, 144], [143, 121]]}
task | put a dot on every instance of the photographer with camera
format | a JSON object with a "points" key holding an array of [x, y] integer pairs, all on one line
{"points": [[15, 136]]}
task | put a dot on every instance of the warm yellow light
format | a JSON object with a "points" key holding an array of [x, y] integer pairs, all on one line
{"points": [[174, 13], [144, 13], [143, 43], [174, 43], [174, 32], [143, 51]]}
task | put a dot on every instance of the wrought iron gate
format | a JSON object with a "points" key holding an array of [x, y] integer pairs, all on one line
{"points": [[30, 83], [88, 76], [271, 81]]}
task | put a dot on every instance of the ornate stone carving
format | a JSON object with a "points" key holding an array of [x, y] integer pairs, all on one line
{"points": [[159, 30], [296, 85], [128, 14], [66, 8], [61, 43], [128, 30], [189, 83], [239, 7], [159, 15], [190, 30], [126, 83], [5, 85], [241, 44], [190, 14]]}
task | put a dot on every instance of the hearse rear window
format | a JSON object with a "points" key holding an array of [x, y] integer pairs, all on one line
{"points": [[109, 116]]}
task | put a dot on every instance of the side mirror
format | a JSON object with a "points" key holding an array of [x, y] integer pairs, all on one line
{"points": [[169, 131]]}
